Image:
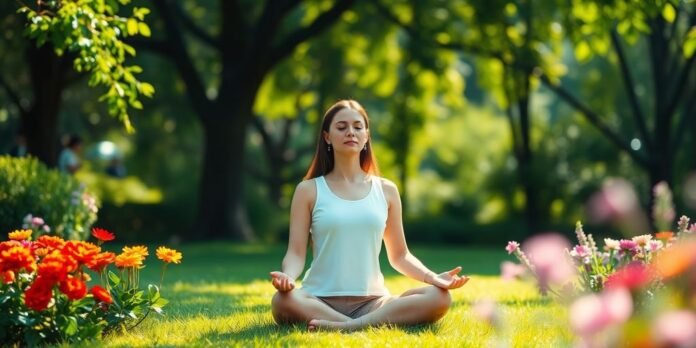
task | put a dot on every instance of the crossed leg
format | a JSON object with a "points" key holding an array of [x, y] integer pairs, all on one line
{"points": [[297, 306], [415, 306]]}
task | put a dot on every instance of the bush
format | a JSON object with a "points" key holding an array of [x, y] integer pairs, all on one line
{"points": [[29, 187]]}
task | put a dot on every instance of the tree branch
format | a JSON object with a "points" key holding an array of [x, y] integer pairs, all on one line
{"points": [[14, 97], [234, 27], [303, 34], [195, 29], [630, 91], [178, 53], [594, 119], [681, 86], [686, 116]]}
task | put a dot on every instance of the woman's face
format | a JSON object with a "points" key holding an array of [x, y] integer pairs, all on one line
{"points": [[347, 132]]}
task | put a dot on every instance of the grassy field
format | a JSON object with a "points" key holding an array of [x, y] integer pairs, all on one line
{"points": [[220, 296]]}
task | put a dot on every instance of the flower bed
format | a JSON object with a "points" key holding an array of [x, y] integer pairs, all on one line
{"points": [[44, 292]]}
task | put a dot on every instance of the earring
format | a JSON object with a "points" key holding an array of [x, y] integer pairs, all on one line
{"points": [[329, 147], [365, 147]]}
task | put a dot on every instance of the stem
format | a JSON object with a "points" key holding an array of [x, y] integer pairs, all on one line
{"points": [[140, 321]]}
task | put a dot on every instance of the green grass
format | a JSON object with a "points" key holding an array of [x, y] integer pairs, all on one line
{"points": [[220, 295]]}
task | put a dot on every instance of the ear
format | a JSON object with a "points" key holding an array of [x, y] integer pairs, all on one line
{"points": [[325, 134]]}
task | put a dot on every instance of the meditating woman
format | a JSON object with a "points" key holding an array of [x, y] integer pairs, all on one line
{"points": [[349, 210]]}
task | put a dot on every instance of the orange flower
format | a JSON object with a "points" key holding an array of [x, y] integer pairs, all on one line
{"points": [[51, 242], [100, 261], [74, 288], [664, 235], [82, 252], [168, 255], [102, 234], [39, 294], [7, 277], [56, 266], [20, 235], [675, 260], [16, 258], [100, 294], [124, 260]]}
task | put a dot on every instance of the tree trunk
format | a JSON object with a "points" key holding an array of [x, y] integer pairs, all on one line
{"points": [[221, 208], [526, 166], [40, 122]]}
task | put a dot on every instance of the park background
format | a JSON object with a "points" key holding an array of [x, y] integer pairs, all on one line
{"points": [[497, 119]]}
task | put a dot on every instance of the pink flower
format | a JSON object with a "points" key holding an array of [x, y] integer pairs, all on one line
{"points": [[676, 329], [37, 221], [616, 200], [591, 314], [512, 246], [654, 245], [548, 255], [510, 270], [487, 310], [628, 245]]}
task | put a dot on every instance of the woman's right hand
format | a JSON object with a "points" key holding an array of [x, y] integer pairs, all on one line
{"points": [[282, 282]]}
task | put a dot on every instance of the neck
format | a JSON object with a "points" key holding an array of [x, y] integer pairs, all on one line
{"points": [[347, 168]]}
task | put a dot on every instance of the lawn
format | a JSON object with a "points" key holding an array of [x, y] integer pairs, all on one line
{"points": [[220, 295]]}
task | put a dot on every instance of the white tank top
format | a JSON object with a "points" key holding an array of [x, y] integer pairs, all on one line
{"points": [[347, 237]]}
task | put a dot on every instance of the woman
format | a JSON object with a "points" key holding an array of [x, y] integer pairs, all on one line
{"points": [[349, 210]]}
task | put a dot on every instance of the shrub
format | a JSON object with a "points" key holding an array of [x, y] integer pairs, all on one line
{"points": [[28, 187], [44, 296]]}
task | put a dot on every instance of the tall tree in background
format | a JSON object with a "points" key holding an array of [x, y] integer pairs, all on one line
{"points": [[67, 39], [660, 108], [503, 35], [249, 41]]}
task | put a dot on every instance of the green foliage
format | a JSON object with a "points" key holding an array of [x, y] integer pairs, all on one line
{"points": [[29, 187], [95, 33]]}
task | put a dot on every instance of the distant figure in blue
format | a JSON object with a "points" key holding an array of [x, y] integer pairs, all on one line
{"points": [[115, 168], [69, 158], [348, 211]]}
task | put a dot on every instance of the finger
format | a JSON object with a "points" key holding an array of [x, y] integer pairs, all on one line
{"points": [[276, 274], [455, 270], [276, 284]]}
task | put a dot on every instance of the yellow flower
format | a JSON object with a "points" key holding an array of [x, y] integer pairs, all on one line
{"points": [[20, 235], [139, 250], [168, 255]]}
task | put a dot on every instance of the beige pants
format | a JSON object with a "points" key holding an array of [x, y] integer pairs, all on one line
{"points": [[355, 306]]}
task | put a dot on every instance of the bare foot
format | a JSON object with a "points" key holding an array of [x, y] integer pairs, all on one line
{"points": [[326, 325]]}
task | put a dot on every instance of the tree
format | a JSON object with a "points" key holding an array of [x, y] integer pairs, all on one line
{"points": [[249, 41], [503, 35], [89, 36], [669, 31]]}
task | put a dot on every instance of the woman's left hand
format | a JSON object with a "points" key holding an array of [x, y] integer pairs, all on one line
{"points": [[449, 279]]}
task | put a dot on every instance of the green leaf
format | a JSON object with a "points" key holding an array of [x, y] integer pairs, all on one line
{"points": [[144, 29], [668, 13], [146, 89], [115, 280], [583, 52], [132, 26], [690, 43]]}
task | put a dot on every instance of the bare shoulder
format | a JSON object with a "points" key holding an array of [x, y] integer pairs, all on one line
{"points": [[389, 187], [306, 192]]}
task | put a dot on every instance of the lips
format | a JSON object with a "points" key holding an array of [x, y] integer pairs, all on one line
{"points": [[351, 142]]}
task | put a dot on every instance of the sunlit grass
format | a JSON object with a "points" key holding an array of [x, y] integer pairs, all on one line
{"points": [[220, 295]]}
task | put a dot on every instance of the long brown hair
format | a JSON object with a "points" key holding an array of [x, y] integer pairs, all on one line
{"points": [[323, 162]]}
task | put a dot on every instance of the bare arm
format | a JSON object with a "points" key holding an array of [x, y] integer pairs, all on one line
{"points": [[400, 257], [300, 221]]}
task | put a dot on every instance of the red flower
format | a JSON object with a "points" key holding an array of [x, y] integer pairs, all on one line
{"points": [[56, 266], [51, 242], [39, 294], [101, 294], [632, 276], [14, 258], [74, 288], [102, 234]]}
